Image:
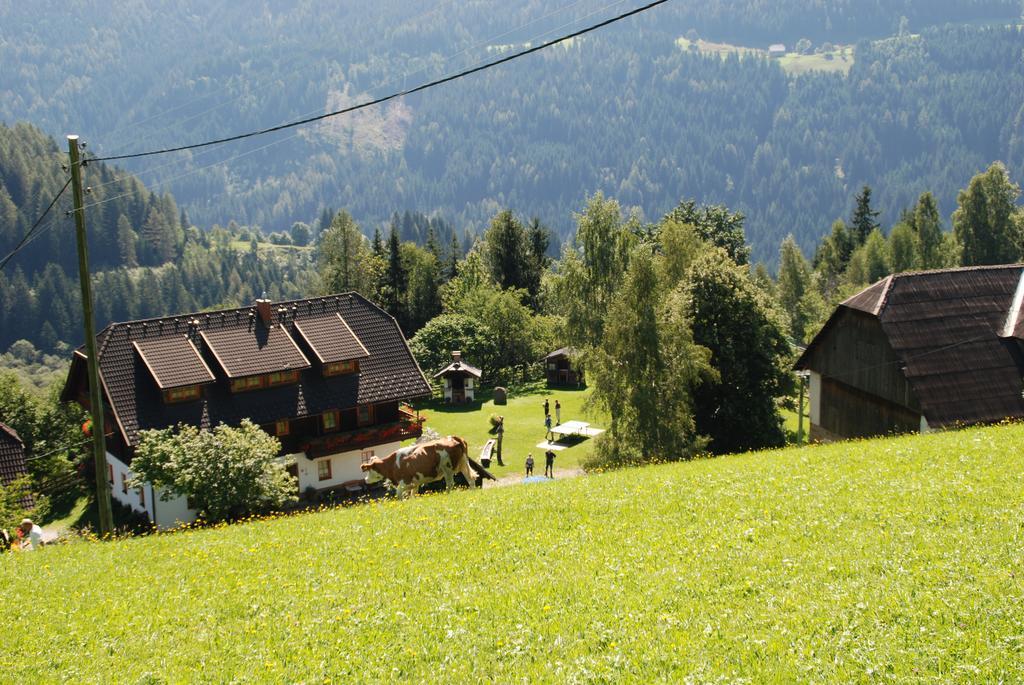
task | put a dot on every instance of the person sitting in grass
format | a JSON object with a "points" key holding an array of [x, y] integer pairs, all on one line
{"points": [[529, 465]]}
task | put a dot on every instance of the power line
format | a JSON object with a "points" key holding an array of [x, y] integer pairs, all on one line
{"points": [[393, 80], [28, 235], [409, 91]]}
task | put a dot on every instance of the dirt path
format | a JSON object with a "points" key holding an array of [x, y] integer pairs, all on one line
{"points": [[517, 478]]}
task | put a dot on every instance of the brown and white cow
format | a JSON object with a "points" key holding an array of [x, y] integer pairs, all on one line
{"points": [[413, 466]]}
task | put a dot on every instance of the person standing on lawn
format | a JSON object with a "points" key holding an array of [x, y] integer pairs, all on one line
{"points": [[529, 465], [547, 411], [547, 426], [500, 431], [549, 464], [558, 413]]}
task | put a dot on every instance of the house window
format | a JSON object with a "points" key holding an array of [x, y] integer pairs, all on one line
{"points": [[248, 383], [142, 497], [184, 394], [190, 502], [329, 420], [124, 483], [110, 473], [365, 456], [283, 378], [323, 469], [282, 427], [364, 414], [339, 368]]}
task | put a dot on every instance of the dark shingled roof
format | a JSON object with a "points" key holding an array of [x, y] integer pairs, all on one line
{"points": [[957, 334], [254, 349], [331, 339], [12, 460], [389, 373], [174, 362]]}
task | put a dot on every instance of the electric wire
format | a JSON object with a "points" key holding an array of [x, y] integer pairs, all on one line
{"points": [[164, 182], [393, 80], [392, 96], [27, 238]]}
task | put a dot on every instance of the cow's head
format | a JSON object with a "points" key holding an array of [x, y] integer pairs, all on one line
{"points": [[373, 476]]}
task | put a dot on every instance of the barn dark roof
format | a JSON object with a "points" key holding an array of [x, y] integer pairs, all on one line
{"points": [[957, 333], [388, 373], [12, 460]]}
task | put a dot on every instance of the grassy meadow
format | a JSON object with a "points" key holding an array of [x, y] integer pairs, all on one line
{"points": [[524, 425], [893, 560], [840, 59]]}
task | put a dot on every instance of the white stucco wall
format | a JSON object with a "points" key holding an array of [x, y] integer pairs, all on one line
{"points": [[167, 514], [344, 466], [814, 397]]}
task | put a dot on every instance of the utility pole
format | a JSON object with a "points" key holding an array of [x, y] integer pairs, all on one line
{"points": [[99, 448]]}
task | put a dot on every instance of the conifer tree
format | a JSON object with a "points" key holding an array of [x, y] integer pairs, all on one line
{"points": [[864, 219]]}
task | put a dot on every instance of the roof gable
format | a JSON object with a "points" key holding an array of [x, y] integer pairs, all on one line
{"points": [[331, 339], [174, 362]]}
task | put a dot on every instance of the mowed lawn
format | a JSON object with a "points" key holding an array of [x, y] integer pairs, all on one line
{"points": [[524, 426], [884, 561]]}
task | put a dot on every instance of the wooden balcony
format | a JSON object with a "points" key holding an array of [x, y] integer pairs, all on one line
{"points": [[409, 425]]}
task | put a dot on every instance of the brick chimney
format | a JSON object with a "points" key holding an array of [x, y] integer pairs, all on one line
{"points": [[263, 309]]}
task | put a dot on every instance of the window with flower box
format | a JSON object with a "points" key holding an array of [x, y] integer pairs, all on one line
{"points": [[248, 383], [364, 414]]}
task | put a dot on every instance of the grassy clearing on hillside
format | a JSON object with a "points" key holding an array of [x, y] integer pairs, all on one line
{"points": [[524, 426], [893, 560], [838, 60]]}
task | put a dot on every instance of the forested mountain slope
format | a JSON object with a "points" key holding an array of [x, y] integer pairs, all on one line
{"points": [[625, 111], [146, 259]]}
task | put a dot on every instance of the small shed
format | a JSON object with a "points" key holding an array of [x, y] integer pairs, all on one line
{"points": [[561, 369], [460, 379], [776, 50], [12, 461]]}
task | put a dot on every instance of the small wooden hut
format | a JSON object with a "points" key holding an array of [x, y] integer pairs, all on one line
{"points": [[460, 379], [561, 369]]}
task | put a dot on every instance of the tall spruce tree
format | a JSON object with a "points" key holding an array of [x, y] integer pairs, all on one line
{"points": [[928, 228], [864, 219]]}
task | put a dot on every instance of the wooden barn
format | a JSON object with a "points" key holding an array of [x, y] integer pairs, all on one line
{"points": [[919, 351], [560, 369], [460, 379]]}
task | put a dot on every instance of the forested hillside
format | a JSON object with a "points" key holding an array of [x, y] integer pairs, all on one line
{"points": [[626, 111], [147, 260]]}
